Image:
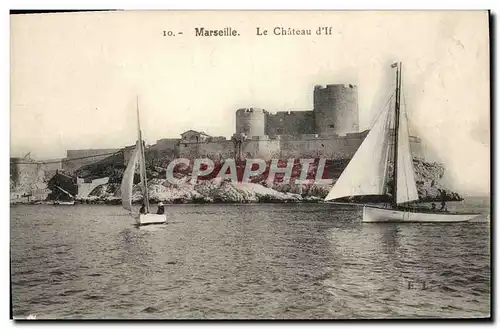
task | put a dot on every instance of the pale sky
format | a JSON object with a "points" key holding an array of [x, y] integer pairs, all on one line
{"points": [[75, 77]]}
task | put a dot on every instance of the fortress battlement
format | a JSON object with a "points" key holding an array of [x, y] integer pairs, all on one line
{"points": [[334, 86], [329, 130]]}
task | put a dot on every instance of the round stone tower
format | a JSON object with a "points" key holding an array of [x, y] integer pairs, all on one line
{"points": [[336, 109], [251, 122]]}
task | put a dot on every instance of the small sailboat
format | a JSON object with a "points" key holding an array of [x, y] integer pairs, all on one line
{"points": [[367, 174], [128, 182]]}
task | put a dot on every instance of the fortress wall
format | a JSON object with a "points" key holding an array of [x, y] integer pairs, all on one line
{"points": [[294, 148], [212, 150], [51, 167], [305, 146], [166, 144], [308, 137], [167, 147], [28, 176], [256, 148], [89, 152], [27, 173], [70, 165], [268, 150], [339, 147], [290, 123], [250, 148], [79, 158], [218, 150], [14, 171], [330, 148], [189, 150]]}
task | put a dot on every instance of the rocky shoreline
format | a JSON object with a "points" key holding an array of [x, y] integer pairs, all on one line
{"points": [[224, 192], [218, 190]]}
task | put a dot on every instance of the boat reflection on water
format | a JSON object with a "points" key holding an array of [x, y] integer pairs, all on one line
{"points": [[400, 269], [259, 261]]}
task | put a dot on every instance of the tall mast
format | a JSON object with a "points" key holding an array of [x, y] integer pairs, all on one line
{"points": [[396, 133], [142, 167]]}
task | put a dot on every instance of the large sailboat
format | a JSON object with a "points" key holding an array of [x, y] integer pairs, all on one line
{"points": [[128, 183], [367, 174]]}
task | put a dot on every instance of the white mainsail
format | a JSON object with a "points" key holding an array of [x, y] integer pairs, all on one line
{"points": [[366, 172], [406, 186], [128, 179]]}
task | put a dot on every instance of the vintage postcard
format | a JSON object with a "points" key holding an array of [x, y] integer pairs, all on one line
{"points": [[250, 165]]}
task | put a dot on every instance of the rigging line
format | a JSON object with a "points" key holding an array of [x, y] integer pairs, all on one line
{"points": [[384, 142], [380, 113], [386, 147], [403, 169], [392, 129], [403, 157], [408, 138]]}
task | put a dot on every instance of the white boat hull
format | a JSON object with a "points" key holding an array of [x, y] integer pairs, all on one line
{"points": [[380, 215], [148, 219]]}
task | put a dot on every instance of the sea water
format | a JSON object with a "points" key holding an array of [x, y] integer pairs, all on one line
{"points": [[252, 261]]}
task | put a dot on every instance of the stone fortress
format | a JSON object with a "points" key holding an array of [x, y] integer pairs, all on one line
{"points": [[330, 130]]}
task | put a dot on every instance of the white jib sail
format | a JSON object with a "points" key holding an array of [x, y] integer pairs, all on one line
{"points": [[365, 173], [128, 179], [407, 188]]}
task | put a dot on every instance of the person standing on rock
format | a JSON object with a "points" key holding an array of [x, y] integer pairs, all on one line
{"points": [[143, 209], [443, 201], [161, 209]]}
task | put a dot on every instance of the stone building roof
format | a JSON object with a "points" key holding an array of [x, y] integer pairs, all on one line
{"points": [[195, 132]]}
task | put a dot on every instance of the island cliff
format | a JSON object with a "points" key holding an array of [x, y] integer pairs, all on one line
{"points": [[216, 190]]}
